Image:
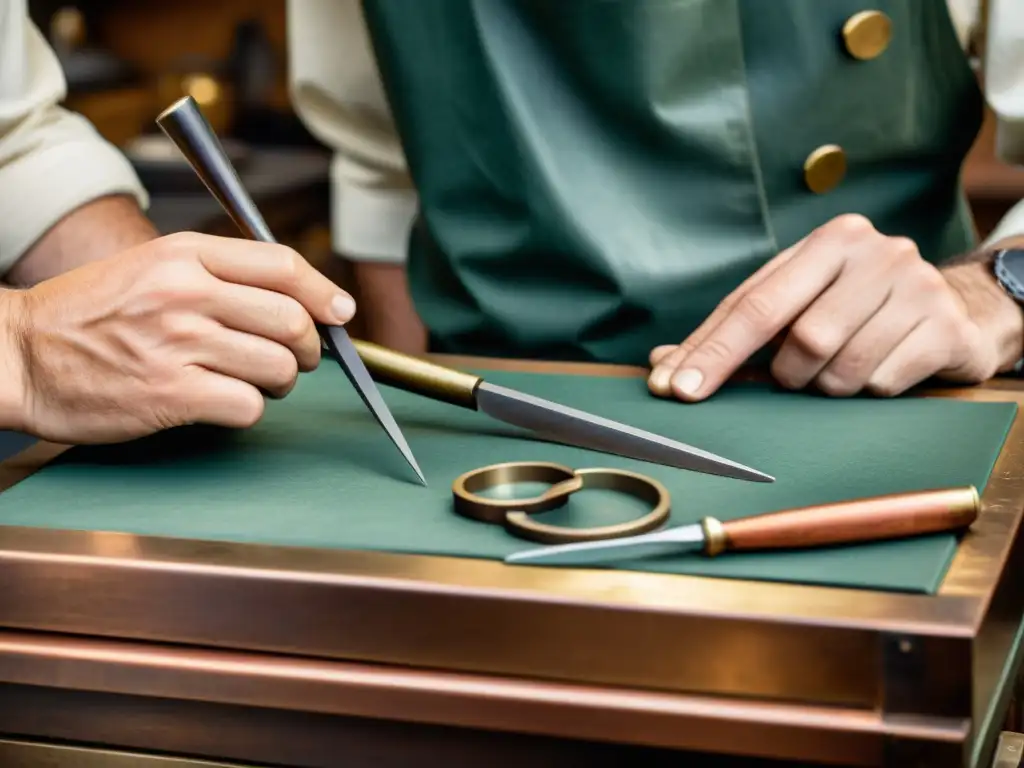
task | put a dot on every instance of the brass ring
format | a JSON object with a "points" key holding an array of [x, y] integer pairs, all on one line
{"points": [[514, 514], [468, 504]]}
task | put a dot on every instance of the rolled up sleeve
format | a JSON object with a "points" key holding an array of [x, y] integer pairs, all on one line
{"points": [[52, 161], [1004, 76], [337, 92], [1004, 90]]}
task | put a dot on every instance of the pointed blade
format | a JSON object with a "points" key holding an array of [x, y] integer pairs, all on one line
{"points": [[341, 347], [689, 538], [561, 424]]}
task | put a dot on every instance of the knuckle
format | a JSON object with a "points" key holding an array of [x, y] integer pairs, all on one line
{"points": [[852, 225], [783, 372], [284, 370], [983, 368], [180, 328], [730, 302], [291, 265], [835, 384], [172, 402], [903, 247], [293, 322], [816, 339], [931, 282], [715, 349], [176, 283], [181, 243], [250, 409], [883, 387], [756, 309]]}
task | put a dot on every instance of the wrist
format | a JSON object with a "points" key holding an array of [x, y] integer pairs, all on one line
{"points": [[997, 314], [12, 361]]}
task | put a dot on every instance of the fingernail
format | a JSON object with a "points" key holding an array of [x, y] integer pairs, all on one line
{"points": [[659, 380], [687, 382], [343, 308]]}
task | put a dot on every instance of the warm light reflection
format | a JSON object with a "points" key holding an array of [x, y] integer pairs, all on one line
{"points": [[120, 545], [203, 88]]}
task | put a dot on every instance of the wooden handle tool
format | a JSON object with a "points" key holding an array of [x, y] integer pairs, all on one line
{"points": [[848, 522]]}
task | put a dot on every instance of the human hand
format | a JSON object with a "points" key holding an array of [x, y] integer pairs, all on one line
{"points": [[860, 311], [184, 329]]}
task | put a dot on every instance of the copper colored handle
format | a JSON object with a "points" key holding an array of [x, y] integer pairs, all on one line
{"points": [[884, 517]]}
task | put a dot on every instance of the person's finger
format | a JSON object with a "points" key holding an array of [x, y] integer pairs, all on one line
{"points": [[269, 315], [919, 356], [849, 371], [257, 361], [213, 398], [830, 324], [658, 353], [660, 379], [764, 311], [275, 268]]}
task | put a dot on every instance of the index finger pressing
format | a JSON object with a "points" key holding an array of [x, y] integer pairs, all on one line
{"points": [[666, 359], [753, 321], [277, 268]]}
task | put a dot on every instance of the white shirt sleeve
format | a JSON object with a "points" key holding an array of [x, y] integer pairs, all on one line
{"points": [[337, 92], [1004, 90], [1004, 76], [51, 160]]}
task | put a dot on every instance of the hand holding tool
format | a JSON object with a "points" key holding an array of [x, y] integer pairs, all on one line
{"points": [[863, 520], [544, 418], [184, 124]]}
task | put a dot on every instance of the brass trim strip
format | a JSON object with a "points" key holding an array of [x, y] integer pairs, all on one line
{"points": [[23, 754]]}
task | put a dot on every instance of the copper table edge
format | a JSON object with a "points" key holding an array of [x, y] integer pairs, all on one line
{"points": [[966, 609], [434, 697], [725, 599]]}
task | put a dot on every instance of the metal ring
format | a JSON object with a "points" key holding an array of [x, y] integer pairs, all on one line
{"points": [[487, 510], [514, 514]]}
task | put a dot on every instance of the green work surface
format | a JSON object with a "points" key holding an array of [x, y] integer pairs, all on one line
{"points": [[318, 471]]}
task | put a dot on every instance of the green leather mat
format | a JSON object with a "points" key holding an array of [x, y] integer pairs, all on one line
{"points": [[318, 471]]}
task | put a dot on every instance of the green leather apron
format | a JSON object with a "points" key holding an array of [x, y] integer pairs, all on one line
{"points": [[596, 175]]}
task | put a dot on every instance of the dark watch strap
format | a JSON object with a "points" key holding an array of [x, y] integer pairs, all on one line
{"points": [[1008, 268]]}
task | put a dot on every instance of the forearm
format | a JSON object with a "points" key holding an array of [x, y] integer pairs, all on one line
{"points": [[388, 316], [11, 384], [93, 231]]}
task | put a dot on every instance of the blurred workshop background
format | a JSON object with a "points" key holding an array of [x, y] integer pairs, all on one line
{"points": [[125, 60]]}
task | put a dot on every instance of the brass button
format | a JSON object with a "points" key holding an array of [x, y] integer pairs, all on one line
{"points": [[824, 168], [867, 34]]}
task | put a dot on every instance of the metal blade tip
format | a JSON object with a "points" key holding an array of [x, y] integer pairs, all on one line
{"points": [[406, 452], [757, 477], [422, 479]]}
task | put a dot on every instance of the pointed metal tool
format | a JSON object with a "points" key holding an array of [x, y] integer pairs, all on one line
{"points": [[184, 124], [545, 419], [858, 521]]}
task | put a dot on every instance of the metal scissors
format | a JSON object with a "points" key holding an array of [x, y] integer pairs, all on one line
{"points": [[515, 514]]}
